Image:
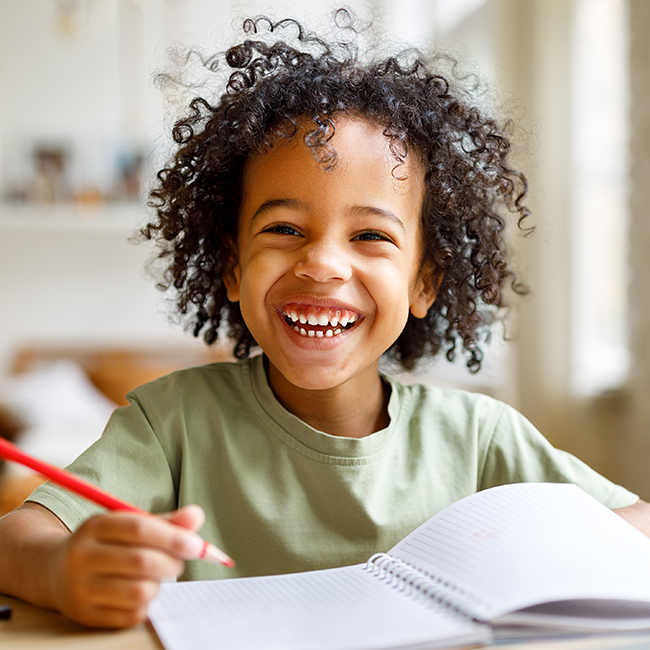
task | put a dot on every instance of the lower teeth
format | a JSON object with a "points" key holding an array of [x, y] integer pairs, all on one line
{"points": [[317, 333]]}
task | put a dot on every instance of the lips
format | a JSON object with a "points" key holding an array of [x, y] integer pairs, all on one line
{"points": [[319, 322]]}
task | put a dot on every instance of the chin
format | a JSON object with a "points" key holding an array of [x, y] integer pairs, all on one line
{"points": [[315, 379], [317, 385]]}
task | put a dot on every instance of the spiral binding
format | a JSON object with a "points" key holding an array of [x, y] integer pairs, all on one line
{"points": [[420, 584]]}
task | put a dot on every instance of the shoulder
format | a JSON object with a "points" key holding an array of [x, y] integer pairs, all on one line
{"points": [[199, 381], [447, 404], [450, 432], [451, 421], [203, 398]]}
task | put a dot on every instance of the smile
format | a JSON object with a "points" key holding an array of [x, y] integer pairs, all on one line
{"points": [[319, 322]]}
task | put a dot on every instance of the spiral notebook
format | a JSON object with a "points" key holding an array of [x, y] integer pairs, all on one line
{"points": [[530, 554]]}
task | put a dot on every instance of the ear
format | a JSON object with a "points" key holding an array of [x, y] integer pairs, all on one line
{"points": [[232, 275], [425, 290]]}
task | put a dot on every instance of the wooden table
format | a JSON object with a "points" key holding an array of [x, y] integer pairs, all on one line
{"points": [[32, 628]]}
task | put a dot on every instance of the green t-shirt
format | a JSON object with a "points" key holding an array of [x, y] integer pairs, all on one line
{"points": [[281, 496]]}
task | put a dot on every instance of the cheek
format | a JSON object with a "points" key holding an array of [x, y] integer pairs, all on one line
{"points": [[257, 280], [248, 296], [392, 297]]}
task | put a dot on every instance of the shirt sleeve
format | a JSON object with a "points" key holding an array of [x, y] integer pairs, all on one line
{"points": [[128, 461], [517, 452]]}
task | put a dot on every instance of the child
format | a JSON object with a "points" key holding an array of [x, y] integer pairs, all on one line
{"points": [[328, 212]]}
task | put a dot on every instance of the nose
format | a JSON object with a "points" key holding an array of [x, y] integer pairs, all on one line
{"points": [[324, 262]]}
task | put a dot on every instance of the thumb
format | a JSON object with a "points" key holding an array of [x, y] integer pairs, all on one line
{"points": [[190, 517]]}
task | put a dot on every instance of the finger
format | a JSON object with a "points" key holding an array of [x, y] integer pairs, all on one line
{"points": [[149, 532], [132, 562], [109, 617], [191, 517], [121, 618], [120, 593]]}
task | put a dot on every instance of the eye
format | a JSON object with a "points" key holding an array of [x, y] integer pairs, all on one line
{"points": [[282, 229], [372, 235]]}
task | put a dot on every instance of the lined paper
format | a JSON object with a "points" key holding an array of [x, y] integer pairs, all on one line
{"points": [[524, 544], [338, 609]]}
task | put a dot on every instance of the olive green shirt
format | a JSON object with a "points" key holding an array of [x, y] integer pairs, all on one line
{"points": [[281, 496]]}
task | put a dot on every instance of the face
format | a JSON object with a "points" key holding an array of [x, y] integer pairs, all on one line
{"points": [[328, 262]]}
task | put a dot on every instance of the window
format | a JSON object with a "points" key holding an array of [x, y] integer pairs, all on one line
{"points": [[599, 131]]}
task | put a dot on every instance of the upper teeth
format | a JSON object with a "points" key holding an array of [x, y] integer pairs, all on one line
{"points": [[323, 320]]}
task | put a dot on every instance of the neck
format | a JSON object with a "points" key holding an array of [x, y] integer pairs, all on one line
{"points": [[354, 410]]}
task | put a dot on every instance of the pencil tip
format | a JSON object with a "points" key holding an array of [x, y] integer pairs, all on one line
{"points": [[215, 555]]}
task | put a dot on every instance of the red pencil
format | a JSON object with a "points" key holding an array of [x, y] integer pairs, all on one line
{"points": [[91, 492]]}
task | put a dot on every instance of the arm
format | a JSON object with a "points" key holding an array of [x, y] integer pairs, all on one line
{"points": [[638, 515], [106, 572]]}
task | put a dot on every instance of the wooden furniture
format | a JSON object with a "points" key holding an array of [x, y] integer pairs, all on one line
{"points": [[117, 370], [114, 371], [32, 628], [13, 491]]}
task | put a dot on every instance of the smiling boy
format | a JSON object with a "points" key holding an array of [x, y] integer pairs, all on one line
{"points": [[342, 246]]}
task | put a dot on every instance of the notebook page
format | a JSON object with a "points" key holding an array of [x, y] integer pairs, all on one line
{"points": [[518, 545], [345, 609]]}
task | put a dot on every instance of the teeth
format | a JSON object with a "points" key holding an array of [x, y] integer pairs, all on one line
{"points": [[319, 334], [324, 320]]}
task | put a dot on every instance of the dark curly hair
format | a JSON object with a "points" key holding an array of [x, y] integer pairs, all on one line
{"points": [[271, 87]]}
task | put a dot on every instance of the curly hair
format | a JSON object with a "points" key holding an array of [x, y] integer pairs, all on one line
{"points": [[272, 87]]}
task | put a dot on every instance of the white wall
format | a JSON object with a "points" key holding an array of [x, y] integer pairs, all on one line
{"points": [[57, 87], [69, 282]]}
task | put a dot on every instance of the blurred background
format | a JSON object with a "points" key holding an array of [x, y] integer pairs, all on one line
{"points": [[82, 128]]}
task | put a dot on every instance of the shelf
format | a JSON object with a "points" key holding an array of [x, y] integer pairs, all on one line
{"points": [[73, 218]]}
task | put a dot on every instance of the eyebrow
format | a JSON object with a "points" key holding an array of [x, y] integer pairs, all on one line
{"points": [[380, 212], [276, 203], [272, 204], [293, 204]]}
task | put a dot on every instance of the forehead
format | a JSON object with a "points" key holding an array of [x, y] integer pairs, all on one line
{"points": [[365, 165]]}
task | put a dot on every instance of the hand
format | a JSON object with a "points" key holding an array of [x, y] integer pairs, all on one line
{"points": [[638, 515], [106, 572]]}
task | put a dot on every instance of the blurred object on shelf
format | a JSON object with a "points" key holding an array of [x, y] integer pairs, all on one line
{"points": [[129, 183], [49, 185], [87, 173]]}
